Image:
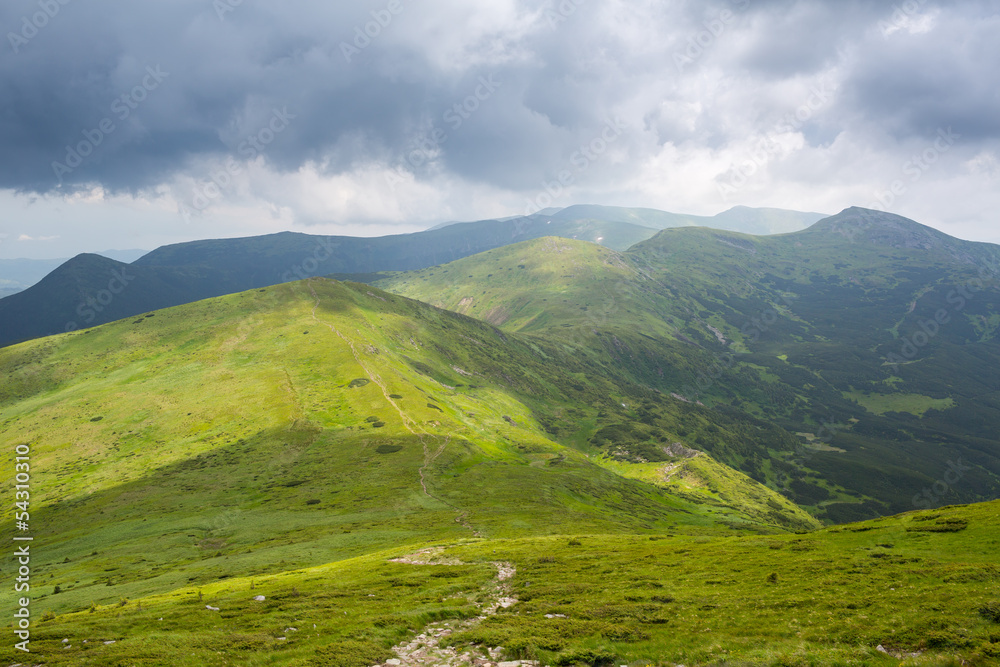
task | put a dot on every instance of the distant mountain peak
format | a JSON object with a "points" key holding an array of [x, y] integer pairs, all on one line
{"points": [[882, 228]]}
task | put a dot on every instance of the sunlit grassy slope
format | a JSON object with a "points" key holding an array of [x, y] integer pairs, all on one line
{"points": [[806, 331], [310, 422], [919, 586], [288, 442]]}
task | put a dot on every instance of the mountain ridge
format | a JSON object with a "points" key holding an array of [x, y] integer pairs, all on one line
{"points": [[193, 270], [831, 327]]}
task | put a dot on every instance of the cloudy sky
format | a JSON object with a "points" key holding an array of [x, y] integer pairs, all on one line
{"points": [[131, 125]]}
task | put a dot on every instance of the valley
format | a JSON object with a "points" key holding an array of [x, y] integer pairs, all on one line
{"points": [[552, 451]]}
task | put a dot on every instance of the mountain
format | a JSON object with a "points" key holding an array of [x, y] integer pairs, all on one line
{"points": [[545, 211], [865, 340], [126, 256], [282, 427], [17, 275], [91, 289], [185, 272], [738, 219], [870, 339], [317, 472]]}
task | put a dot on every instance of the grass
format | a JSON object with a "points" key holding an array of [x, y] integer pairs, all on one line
{"points": [[826, 597], [913, 404], [809, 321], [245, 436], [291, 441]]}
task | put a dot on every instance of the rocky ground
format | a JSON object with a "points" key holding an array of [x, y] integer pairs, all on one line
{"points": [[431, 649]]}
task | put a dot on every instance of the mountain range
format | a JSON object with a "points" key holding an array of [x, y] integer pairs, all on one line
{"points": [[80, 292], [687, 448], [870, 339]]}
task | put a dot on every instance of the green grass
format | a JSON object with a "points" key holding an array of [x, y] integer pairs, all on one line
{"points": [[809, 320], [836, 595], [242, 435], [914, 404], [289, 441], [828, 597]]}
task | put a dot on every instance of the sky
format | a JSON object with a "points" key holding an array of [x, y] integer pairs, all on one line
{"points": [[133, 125]]}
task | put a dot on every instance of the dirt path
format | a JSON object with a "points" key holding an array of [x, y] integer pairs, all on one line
{"points": [[372, 375], [408, 423], [462, 518], [430, 647]]}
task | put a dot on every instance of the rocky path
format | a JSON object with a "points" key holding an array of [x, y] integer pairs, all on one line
{"points": [[430, 648]]}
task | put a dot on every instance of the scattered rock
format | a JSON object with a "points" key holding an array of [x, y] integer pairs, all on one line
{"points": [[211, 608], [259, 598], [679, 451], [426, 649], [880, 649]]}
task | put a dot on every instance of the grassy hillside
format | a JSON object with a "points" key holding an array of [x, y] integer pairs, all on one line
{"points": [[737, 219], [186, 272], [310, 422], [89, 289], [821, 332], [323, 473], [917, 589]]}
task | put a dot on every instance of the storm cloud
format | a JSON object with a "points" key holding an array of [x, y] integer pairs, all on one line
{"points": [[395, 113]]}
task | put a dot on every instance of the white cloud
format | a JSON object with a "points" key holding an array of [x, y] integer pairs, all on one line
{"points": [[25, 237], [563, 74]]}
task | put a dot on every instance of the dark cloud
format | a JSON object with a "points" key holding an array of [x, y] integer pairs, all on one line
{"points": [[562, 74]]}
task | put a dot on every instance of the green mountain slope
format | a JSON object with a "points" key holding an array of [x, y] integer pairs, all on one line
{"points": [[186, 272], [917, 588], [317, 472], [830, 333], [737, 219], [315, 421], [80, 292]]}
